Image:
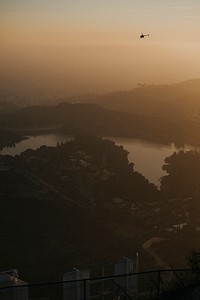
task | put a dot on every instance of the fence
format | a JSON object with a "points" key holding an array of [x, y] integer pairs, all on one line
{"points": [[150, 283]]}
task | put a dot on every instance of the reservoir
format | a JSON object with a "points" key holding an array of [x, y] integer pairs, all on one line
{"points": [[148, 157]]}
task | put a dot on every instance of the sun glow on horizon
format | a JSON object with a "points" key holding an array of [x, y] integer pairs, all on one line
{"points": [[91, 46]]}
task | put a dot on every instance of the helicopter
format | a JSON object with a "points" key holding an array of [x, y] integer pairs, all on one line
{"points": [[143, 35]]}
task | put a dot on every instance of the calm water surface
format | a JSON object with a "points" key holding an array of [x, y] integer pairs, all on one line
{"points": [[148, 158]]}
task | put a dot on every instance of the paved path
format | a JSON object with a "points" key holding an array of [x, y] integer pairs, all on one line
{"points": [[147, 246]]}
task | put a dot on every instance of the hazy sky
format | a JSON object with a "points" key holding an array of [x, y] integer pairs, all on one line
{"points": [[94, 45]]}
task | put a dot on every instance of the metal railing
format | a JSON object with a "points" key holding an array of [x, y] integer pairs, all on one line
{"points": [[140, 285]]}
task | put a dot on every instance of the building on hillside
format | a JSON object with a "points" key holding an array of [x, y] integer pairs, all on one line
{"points": [[112, 281], [11, 287]]}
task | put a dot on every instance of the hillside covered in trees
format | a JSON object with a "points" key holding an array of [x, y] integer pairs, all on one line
{"points": [[76, 204], [82, 203]]}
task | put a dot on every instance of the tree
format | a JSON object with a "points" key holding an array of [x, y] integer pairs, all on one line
{"points": [[183, 179]]}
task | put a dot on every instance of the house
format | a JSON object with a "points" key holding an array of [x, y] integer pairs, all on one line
{"points": [[11, 287]]}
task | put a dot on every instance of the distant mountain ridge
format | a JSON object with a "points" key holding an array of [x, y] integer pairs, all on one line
{"points": [[169, 101], [165, 113], [91, 118], [165, 101], [44, 96], [192, 85]]}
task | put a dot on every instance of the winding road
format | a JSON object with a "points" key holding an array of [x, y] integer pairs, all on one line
{"points": [[147, 246]]}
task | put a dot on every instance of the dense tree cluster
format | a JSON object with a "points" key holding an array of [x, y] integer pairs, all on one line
{"points": [[183, 179], [51, 232], [87, 168], [9, 138]]}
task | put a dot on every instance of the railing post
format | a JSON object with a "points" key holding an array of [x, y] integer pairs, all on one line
{"points": [[84, 285], [158, 285]]}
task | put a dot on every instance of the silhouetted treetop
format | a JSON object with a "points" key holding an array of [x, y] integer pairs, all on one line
{"points": [[183, 179]]}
